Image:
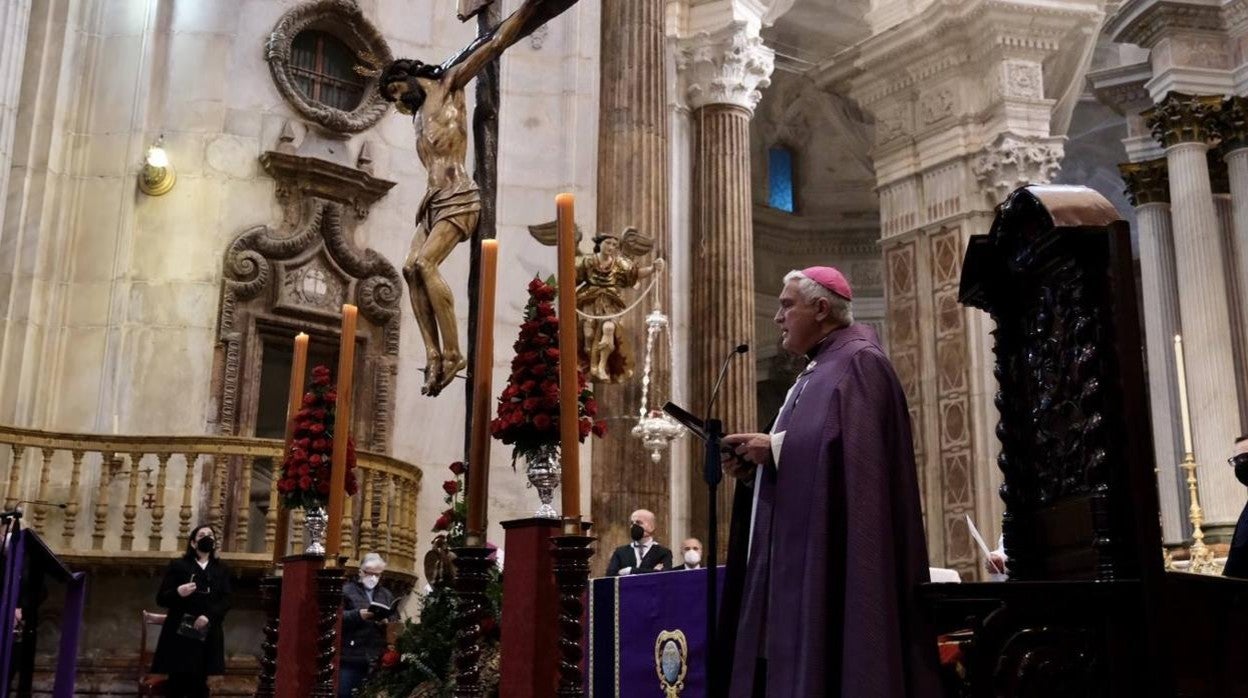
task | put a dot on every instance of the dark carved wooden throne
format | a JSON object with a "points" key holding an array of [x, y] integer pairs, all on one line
{"points": [[1089, 610]]}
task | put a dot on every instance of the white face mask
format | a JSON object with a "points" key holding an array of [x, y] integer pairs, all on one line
{"points": [[370, 581], [692, 557]]}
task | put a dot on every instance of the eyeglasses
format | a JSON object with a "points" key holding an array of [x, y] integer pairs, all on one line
{"points": [[1238, 460]]}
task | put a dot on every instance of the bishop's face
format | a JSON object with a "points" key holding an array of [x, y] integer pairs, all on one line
{"points": [[799, 321]]}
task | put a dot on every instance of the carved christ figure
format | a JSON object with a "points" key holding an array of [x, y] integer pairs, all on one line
{"points": [[451, 208]]}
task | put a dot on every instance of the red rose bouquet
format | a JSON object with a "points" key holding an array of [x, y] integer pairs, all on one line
{"points": [[453, 520], [528, 409], [304, 479]]}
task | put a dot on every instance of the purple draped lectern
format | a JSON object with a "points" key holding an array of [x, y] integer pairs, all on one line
{"points": [[646, 632]]}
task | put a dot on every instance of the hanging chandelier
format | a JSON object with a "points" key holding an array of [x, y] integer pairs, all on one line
{"points": [[654, 427]]}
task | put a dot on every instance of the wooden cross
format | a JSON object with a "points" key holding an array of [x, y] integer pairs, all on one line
{"points": [[485, 172]]}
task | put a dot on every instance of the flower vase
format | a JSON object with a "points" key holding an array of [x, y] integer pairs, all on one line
{"points": [[315, 521], [542, 467]]}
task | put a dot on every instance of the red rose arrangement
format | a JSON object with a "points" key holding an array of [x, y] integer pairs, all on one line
{"points": [[304, 479], [528, 409], [390, 659], [452, 521]]}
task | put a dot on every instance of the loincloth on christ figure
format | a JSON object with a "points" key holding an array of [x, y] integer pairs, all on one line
{"points": [[459, 205]]}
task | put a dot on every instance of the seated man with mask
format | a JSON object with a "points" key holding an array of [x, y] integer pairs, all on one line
{"points": [[366, 606], [691, 550], [644, 554], [1237, 558]]}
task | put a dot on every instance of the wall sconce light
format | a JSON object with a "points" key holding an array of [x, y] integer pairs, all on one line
{"points": [[157, 176]]}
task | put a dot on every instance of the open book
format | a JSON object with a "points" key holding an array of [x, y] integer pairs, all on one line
{"points": [[379, 610]]}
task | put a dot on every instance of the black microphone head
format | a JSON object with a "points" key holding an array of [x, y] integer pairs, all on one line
{"points": [[742, 348]]}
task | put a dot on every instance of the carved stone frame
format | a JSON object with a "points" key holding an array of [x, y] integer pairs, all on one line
{"points": [[344, 20], [262, 294]]}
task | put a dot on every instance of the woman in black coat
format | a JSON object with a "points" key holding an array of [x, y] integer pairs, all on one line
{"points": [[196, 590]]}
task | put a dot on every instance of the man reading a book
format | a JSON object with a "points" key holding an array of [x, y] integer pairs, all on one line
{"points": [[366, 607]]}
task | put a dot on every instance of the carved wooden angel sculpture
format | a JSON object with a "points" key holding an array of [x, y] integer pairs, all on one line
{"points": [[601, 281]]}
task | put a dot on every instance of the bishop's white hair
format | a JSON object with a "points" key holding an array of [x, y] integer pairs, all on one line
{"points": [[842, 311]]}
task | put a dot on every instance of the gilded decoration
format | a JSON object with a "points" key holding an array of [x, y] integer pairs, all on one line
{"points": [[1184, 118], [346, 21], [1148, 182], [671, 661]]}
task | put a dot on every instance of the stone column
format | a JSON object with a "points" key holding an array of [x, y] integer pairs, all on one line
{"points": [[1234, 127], [1219, 183], [14, 23], [1149, 189], [1182, 124], [632, 191], [724, 73]]}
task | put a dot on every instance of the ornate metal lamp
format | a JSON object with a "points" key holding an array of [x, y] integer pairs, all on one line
{"points": [[655, 429]]}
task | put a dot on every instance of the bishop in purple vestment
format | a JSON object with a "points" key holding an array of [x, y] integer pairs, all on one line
{"points": [[827, 599]]}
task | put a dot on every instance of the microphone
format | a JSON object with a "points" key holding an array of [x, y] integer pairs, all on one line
{"points": [[723, 371], [17, 511]]}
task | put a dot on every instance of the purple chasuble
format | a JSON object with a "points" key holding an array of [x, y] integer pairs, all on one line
{"points": [[830, 595]]}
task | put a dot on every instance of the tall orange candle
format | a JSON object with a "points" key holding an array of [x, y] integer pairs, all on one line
{"points": [[482, 373], [342, 431], [569, 391], [298, 370]]}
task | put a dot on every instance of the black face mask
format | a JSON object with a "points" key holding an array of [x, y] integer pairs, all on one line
{"points": [[637, 532], [1241, 467], [205, 545]]}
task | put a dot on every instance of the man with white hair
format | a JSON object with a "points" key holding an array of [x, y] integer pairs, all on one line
{"points": [[366, 606], [827, 550]]}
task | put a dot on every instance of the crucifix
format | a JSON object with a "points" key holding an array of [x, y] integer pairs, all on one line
{"points": [[454, 209]]}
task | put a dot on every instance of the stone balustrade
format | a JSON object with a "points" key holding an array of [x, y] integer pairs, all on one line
{"points": [[114, 499]]}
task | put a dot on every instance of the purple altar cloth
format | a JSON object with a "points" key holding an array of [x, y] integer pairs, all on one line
{"points": [[627, 614]]}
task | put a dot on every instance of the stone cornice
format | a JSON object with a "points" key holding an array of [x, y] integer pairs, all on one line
{"points": [[829, 242], [1123, 88], [1181, 118], [1143, 22], [901, 57], [1147, 182], [729, 66]]}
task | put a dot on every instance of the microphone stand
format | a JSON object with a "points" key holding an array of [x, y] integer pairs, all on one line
{"points": [[712, 473]]}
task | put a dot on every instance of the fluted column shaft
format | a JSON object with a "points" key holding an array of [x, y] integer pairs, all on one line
{"points": [[1205, 317], [722, 261], [1237, 251], [632, 191], [14, 24], [1149, 190]]}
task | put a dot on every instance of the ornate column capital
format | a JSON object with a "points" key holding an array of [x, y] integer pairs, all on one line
{"points": [[1148, 182], [728, 66], [1181, 118], [1233, 124], [1014, 161]]}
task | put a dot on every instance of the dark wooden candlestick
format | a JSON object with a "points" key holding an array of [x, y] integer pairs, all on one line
{"points": [[271, 601], [472, 575], [329, 584], [571, 559]]}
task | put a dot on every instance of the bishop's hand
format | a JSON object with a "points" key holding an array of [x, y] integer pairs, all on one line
{"points": [[744, 452]]}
